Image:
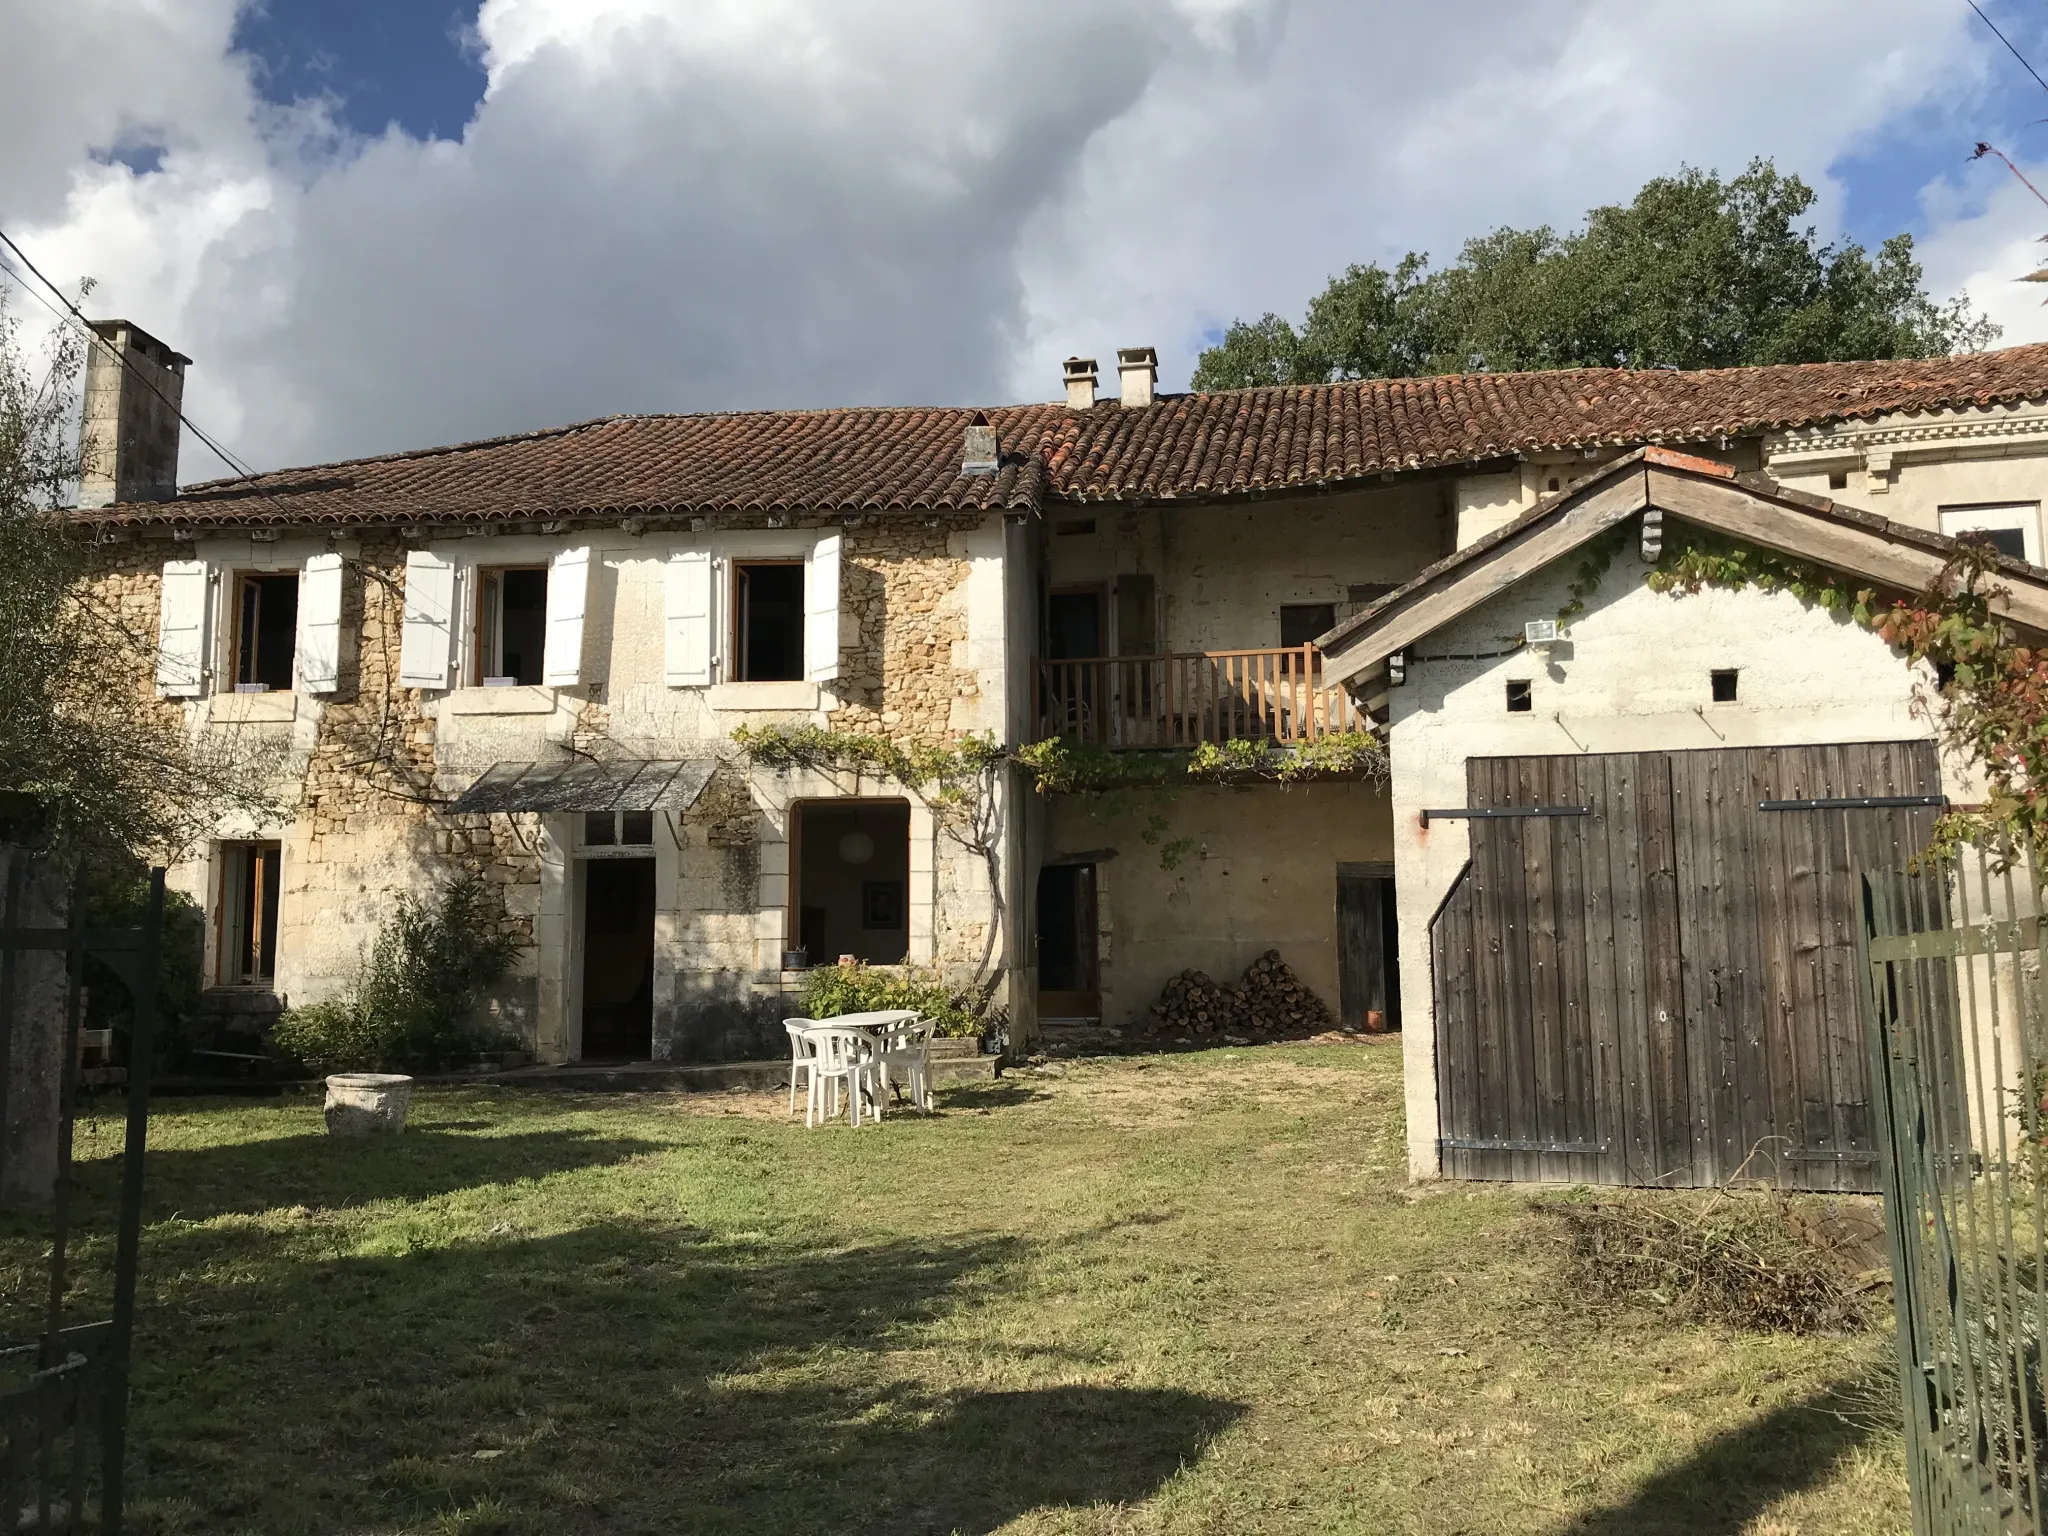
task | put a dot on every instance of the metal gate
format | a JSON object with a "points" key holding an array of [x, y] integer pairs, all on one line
{"points": [[1647, 974], [1958, 1045], [64, 1391]]}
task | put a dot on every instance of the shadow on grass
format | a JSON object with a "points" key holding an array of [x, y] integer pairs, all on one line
{"points": [[324, 1172], [1724, 1485], [622, 1378], [995, 1095]]}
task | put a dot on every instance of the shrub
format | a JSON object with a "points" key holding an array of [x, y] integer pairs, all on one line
{"points": [[830, 990], [414, 1002]]}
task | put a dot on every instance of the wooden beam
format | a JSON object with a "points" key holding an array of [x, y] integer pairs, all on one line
{"points": [[1466, 585], [1841, 545]]}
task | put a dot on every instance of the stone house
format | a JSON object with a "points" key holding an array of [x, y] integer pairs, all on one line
{"points": [[530, 654]]}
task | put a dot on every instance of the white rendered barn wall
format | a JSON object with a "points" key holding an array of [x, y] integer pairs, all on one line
{"points": [[1629, 680]]}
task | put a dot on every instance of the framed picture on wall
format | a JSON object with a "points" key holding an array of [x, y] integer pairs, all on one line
{"points": [[881, 904]]}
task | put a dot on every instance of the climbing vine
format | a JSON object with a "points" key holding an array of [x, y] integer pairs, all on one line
{"points": [[1992, 699], [1593, 565]]}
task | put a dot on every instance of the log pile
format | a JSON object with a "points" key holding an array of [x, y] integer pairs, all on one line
{"points": [[1268, 1002]]}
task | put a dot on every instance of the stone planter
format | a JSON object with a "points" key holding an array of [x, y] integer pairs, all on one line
{"points": [[363, 1103]]}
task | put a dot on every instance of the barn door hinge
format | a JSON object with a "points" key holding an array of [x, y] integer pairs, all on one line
{"points": [[1855, 803], [1493, 1144], [1491, 812]]}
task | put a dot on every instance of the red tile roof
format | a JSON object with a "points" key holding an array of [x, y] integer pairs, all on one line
{"points": [[1182, 447]]}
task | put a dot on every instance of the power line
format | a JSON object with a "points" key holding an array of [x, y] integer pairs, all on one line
{"points": [[93, 337], [2008, 45]]}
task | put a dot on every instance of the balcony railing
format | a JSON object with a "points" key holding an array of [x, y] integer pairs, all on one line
{"points": [[1184, 698]]}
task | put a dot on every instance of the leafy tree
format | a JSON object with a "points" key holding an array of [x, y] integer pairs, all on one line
{"points": [[88, 757], [1696, 272]]}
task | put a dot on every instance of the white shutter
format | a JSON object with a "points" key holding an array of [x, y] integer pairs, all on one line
{"points": [[689, 619], [821, 611], [425, 650], [568, 579], [320, 625], [181, 632]]}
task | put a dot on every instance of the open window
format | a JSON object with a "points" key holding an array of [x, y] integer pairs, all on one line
{"points": [[511, 625], [768, 621], [1300, 623], [246, 918], [851, 894], [266, 631]]}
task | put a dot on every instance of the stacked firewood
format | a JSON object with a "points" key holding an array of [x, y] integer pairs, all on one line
{"points": [[1270, 1000]]}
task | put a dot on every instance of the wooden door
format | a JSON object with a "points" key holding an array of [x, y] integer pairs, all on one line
{"points": [[1069, 968], [1366, 989], [1660, 987]]}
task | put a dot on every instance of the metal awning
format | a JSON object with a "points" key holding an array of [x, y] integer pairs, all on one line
{"points": [[579, 785]]}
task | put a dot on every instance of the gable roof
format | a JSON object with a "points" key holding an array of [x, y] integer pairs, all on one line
{"points": [[1188, 447], [1751, 508]]}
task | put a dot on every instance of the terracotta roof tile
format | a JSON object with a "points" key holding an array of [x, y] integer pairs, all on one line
{"points": [[1181, 447]]}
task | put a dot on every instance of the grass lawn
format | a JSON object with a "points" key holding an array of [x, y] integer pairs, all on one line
{"points": [[1176, 1294]]}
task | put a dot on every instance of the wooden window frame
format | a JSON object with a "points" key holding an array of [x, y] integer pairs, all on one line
{"points": [[483, 644], [241, 582], [736, 608]]}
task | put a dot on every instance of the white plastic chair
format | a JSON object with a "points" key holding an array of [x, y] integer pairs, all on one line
{"points": [[907, 1050], [801, 1056], [841, 1056]]}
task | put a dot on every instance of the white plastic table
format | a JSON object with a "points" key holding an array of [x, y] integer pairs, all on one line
{"points": [[874, 1024]]}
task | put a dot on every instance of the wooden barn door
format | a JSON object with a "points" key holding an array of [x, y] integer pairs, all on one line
{"points": [[1646, 975]]}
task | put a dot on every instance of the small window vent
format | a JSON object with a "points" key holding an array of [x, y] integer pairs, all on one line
{"points": [[1838, 479], [1519, 700], [1724, 681]]}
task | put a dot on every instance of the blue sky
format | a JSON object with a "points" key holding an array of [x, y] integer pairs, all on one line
{"points": [[413, 62], [717, 204]]}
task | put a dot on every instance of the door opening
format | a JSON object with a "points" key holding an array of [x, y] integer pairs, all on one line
{"points": [[618, 959], [1069, 972], [1368, 958]]}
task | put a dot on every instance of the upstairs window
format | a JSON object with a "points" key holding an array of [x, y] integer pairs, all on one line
{"points": [[768, 621], [266, 631], [618, 829], [2013, 528], [512, 625], [1300, 623]]}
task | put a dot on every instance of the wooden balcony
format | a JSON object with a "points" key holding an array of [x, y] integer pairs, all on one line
{"points": [[1185, 698]]}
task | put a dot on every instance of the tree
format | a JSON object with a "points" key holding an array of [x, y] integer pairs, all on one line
{"points": [[90, 761], [1696, 272]]}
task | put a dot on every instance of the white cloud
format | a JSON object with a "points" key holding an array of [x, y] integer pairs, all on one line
{"points": [[663, 205], [1985, 241]]}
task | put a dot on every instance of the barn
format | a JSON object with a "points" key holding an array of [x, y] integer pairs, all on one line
{"points": [[1630, 827]]}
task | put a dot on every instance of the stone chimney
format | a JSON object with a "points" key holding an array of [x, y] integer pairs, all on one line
{"points": [[134, 386], [1080, 376], [1138, 371], [978, 455]]}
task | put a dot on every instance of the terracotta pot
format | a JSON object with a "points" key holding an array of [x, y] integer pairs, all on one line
{"points": [[364, 1103]]}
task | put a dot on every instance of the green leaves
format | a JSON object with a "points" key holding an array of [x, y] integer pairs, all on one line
{"points": [[1695, 272]]}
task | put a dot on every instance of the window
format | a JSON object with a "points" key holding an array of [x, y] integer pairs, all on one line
{"points": [[618, 829], [2012, 528], [1838, 479], [768, 621], [1723, 683], [1300, 623], [851, 860], [1520, 701], [266, 631], [511, 625], [247, 915]]}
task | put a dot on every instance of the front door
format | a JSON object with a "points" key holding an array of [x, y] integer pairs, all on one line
{"points": [[1656, 982], [1368, 981], [618, 959]]}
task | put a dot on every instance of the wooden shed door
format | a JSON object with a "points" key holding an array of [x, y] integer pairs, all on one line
{"points": [[1663, 990]]}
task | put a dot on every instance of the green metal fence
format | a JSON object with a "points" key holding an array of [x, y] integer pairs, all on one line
{"points": [[1959, 1066]]}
